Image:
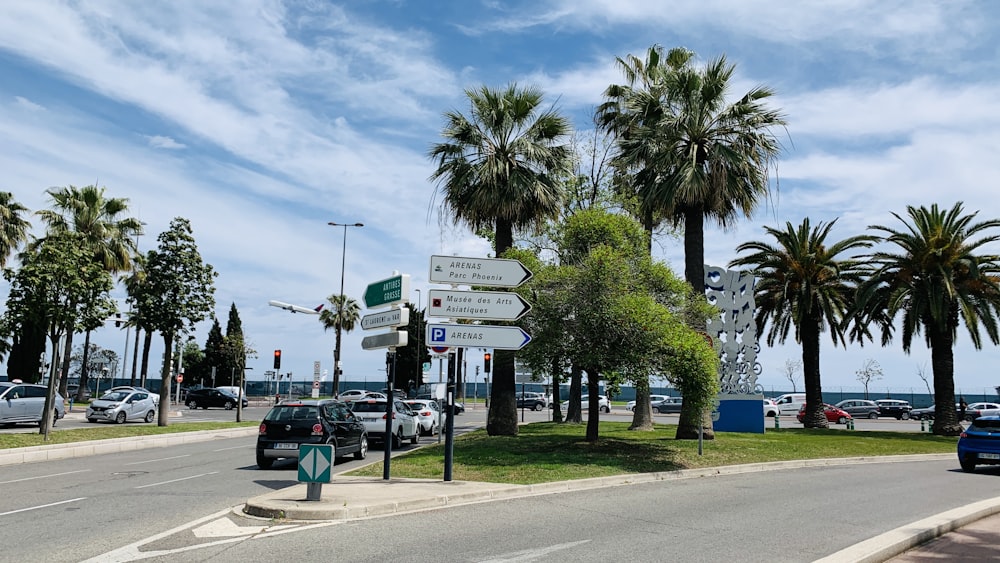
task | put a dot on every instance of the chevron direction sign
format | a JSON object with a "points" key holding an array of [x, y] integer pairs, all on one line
{"points": [[315, 461], [491, 272], [479, 305], [477, 336], [392, 317]]}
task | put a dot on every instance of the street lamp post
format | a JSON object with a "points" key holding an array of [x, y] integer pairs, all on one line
{"points": [[337, 371]]}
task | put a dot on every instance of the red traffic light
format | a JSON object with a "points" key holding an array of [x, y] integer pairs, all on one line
{"points": [[277, 359], [486, 362]]}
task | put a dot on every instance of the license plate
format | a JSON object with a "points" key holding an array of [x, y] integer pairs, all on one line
{"points": [[366, 419], [989, 456], [286, 446]]}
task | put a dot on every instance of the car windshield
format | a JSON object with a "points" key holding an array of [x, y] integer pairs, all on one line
{"points": [[116, 396], [368, 406], [283, 413]]}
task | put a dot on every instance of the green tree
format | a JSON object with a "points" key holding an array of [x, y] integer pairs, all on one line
{"points": [[13, 226], [502, 167], [178, 292], [345, 313], [937, 279], [215, 349], [805, 282], [868, 372], [235, 348], [694, 155]]}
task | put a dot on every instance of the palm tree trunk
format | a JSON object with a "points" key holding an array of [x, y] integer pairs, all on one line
{"points": [[694, 273], [67, 350], [815, 415], [146, 343], [135, 357], [502, 417], [84, 372], [642, 414], [556, 400], [593, 404], [168, 343], [946, 421]]}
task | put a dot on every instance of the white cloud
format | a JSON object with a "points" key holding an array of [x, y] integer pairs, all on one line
{"points": [[161, 142], [27, 104]]}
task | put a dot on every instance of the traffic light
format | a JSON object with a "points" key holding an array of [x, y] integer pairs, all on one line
{"points": [[118, 320], [486, 362], [277, 359]]}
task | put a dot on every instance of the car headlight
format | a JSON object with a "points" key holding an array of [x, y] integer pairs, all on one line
{"points": [[112, 406]]}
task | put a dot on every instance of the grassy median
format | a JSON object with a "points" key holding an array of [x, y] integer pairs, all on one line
{"points": [[545, 452], [106, 431]]}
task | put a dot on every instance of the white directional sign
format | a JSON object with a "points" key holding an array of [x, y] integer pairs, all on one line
{"points": [[392, 339], [493, 272], [477, 336], [392, 317], [315, 461], [482, 305]]}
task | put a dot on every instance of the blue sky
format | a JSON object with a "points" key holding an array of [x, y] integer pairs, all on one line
{"points": [[263, 120]]}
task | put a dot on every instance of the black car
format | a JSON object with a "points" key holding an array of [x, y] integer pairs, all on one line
{"points": [[898, 409], [533, 401], [323, 421], [211, 397]]}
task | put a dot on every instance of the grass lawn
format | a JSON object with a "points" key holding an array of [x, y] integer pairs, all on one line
{"points": [[105, 431], [545, 452]]}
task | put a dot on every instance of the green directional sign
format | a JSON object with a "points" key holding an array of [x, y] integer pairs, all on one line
{"points": [[315, 462], [388, 291]]}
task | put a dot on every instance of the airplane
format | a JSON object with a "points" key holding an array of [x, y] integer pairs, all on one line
{"points": [[295, 308]]}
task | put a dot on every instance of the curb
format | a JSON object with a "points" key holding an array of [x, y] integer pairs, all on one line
{"points": [[894, 542], [51, 452]]}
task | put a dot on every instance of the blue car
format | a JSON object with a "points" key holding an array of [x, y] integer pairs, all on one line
{"points": [[980, 443]]}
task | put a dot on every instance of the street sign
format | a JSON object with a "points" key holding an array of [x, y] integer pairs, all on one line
{"points": [[482, 305], [393, 317], [478, 336], [315, 461], [494, 272], [388, 291], [180, 378], [392, 339], [439, 350]]}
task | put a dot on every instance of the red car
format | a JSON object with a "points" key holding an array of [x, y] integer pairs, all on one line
{"points": [[833, 414]]}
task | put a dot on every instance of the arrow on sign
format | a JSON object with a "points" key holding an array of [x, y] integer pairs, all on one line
{"points": [[315, 463], [483, 305], [394, 317], [495, 272], [388, 291], [477, 336]]}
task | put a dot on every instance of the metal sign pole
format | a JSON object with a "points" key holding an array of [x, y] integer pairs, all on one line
{"points": [[390, 370], [449, 440]]}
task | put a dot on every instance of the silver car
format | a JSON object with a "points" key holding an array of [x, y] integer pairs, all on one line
{"points": [[25, 402], [121, 406]]}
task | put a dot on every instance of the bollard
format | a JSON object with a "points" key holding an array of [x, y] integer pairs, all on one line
{"points": [[922, 429], [777, 422]]}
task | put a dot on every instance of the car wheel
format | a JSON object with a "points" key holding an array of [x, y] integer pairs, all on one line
{"points": [[55, 417], [397, 438], [415, 438], [538, 407], [362, 452], [842, 420], [904, 416], [264, 462], [91, 420], [229, 405], [873, 415], [120, 417], [192, 405], [150, 416], [658, 411], [606, 409], [968, 465]]}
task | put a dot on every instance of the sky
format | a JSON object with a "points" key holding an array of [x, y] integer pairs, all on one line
{"points": [[261, 121]]}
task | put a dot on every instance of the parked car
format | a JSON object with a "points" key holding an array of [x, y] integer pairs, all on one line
{"points": [[770, 409], [976, 410], [211, 397], [355, 394], [398, 393], [325, 421], [900, 410], [630, 406], [372, 414], [155, 396], [25, 402], [790, 403], [429, 415], [668, 405], [860, 408], [603, 403], [980, 443], [531, 400], [72, 390], [121, 406], [833, 414], [927, 413]]}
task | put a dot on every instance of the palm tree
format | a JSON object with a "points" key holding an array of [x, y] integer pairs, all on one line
{"points": [[937, 280], [502, 167], [105, 230], [695, 156], [803, 282], [344, 313], [13, 226]]}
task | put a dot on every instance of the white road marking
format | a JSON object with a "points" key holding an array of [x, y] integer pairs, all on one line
{"points": [[161, 459], [233, 448], [44, 476], [226, 528], [42, 506], [532, 554], [175, 480]]}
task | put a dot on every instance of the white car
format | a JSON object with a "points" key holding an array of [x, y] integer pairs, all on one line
{"points": [[372, 414], [430, 417], [355, 394], [630, 406], [603, 403], [770, 409], [121, 406]]}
